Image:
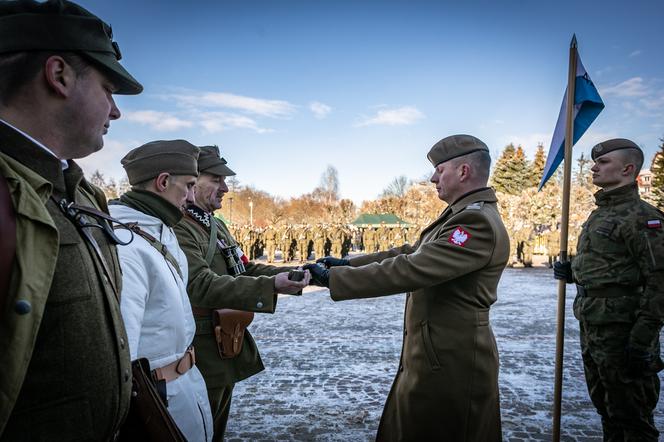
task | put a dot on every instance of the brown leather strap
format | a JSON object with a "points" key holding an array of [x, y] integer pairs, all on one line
{"points": [[177, 368], [7, 240]]}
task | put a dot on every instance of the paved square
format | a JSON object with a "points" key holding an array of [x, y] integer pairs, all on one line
{"points": [[329, 366]]}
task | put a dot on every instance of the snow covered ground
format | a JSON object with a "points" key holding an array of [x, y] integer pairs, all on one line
{"points": [[329, 366]]}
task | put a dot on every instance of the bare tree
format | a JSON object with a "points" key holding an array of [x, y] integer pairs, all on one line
{"points": [[329, 185], [397, 187]]}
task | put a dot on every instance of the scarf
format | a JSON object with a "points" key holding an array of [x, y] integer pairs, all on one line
{"points": [[152, 204]]}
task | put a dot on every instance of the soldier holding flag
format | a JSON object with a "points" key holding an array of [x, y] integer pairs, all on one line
{"points": [[619, 271]]}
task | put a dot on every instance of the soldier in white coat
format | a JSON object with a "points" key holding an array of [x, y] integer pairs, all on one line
{"points": [[154, 302]]}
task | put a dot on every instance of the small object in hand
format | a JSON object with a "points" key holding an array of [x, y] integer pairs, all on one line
{"points": [[296, 275]]}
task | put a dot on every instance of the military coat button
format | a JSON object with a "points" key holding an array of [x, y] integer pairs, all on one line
{"points": [[122, 343], [22, 307], [259, 304], [126, 375]]}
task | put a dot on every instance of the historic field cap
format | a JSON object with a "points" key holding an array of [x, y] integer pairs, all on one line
{"points": [[210, 161], [177, 157], [60, 25], [455, 146], [614, 144]]}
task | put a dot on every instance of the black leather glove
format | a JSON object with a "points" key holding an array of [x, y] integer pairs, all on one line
{"points": [[331, 261], [320, 276], [563, 270]]}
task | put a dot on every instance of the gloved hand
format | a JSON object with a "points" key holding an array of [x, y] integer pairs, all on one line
{"points": [[331, 261], [563, 271], [320, 276], [641, 362]]}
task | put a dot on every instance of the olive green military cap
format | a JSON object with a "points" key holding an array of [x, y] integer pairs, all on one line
{"points": [[614, 144], [177, 157], [60, 25], [455, 146], [210, 161]]}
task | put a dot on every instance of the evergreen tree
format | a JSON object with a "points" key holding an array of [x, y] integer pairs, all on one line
{"points": [[657, 170], [537, 167], [520, 168], [501, 179]]}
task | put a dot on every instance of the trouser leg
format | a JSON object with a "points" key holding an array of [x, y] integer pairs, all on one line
{"points": [[626, 403], [220, 402]]}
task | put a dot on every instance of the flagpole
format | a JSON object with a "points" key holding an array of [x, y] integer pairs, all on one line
{"points": [[564, 229]]}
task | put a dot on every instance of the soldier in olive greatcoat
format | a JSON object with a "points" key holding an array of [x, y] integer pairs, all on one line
{"points": [[446, 387], [65, 363]]}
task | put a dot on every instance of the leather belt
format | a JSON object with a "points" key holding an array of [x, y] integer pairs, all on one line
{"points": [[177, 368], [201, 312], [611, 291]]}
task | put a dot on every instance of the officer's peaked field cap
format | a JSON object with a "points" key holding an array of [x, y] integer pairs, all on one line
{"points": [[60, 25], [177, 157], [614, 144], [210, 161], [455, 146]]}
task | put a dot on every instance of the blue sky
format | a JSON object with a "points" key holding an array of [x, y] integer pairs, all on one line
{"points": [[286, 88]]}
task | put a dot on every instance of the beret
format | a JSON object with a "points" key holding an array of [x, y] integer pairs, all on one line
{"points": [[177, 157], [614, 144], [455, 146]]}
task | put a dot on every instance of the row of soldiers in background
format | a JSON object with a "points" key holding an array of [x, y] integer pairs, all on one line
{"points": [[542, 240], [300, 241]]}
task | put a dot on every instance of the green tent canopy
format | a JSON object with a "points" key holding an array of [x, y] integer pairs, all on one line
{"points": [[376, 219]]}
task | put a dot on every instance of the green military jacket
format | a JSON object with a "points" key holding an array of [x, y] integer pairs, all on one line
{"points": [[65, 362], [446, 387], [622, 244], [211, 287]]}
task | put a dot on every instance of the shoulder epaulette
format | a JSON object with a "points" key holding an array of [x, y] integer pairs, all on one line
{"points": [[475, 206]]}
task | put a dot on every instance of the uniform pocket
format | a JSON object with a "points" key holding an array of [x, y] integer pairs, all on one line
{"points": [[428, 346], [73, 271]]}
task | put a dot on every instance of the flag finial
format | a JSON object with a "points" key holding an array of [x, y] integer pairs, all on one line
{"points": [[573, 42]]}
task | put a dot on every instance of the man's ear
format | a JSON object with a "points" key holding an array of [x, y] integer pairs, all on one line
{"points": [[629, 169], [59, 76], [464, 172], [161, 182]]}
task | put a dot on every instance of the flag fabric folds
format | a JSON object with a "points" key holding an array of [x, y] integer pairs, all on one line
{"points": [[587, 106]]}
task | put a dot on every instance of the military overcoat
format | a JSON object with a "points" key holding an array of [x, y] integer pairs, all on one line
{"points": [[65, 361], [446, 387]]}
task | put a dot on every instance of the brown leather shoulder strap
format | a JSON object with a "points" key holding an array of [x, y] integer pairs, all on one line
{"points": [[7, 240]]}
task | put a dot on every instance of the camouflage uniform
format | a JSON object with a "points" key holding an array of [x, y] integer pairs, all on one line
{"points": [[319, 241], [337, 237], [620, 269], [302, 242], [369, 240], [270, 237]]}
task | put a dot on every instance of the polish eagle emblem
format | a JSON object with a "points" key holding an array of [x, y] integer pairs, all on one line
{"points": [[459, 237]]}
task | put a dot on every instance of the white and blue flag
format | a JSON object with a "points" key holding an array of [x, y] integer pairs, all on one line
{"points": [[587, 106]]}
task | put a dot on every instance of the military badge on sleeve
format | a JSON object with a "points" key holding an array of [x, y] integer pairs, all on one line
{"points": [[459, 237], [654, 224]]}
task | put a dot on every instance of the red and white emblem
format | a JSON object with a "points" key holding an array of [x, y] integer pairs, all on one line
{"points": [[242, 256], [654, 224], [459, 237]]}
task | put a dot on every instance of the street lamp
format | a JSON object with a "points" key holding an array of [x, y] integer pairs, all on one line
{"points": [[251, 212]]}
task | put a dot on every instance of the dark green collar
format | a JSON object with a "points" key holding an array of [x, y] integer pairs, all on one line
{"points": [[152, 204]]}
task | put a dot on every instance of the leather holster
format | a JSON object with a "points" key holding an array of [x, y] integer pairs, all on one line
{"points": [[229, 326]]}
